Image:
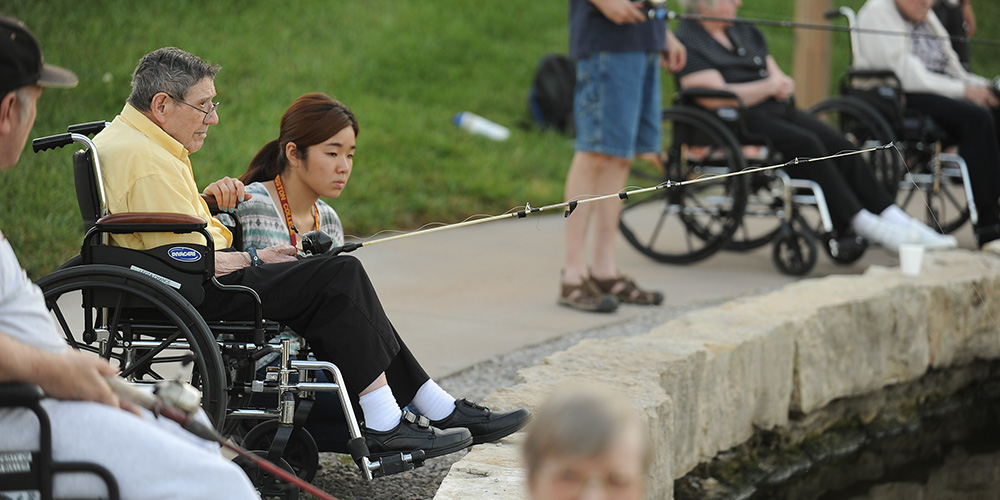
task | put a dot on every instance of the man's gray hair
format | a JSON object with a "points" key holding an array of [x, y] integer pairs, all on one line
{"points": [[691, 6], [23, 102], [169, 70]]}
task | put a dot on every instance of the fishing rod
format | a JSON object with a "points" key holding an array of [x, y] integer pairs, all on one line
{"points": [[177, 402], [658, 12], [571, 205]]}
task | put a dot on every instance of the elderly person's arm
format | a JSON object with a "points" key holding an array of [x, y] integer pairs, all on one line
{"points": [[777, 84], [68, 375]]}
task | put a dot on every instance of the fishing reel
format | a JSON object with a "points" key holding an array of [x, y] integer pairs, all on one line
{"points": [[316, 242], [995, 86], [655, 9]]}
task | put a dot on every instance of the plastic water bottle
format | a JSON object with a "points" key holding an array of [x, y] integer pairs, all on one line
{"points": [[476, 124]]}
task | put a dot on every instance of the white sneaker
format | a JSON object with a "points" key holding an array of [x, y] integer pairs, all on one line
{"points": [[931, 239], [991, 246], [890, 236]]}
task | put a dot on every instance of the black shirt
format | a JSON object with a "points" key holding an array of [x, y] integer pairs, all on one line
{"points": [[590, 32], [747, 62]]}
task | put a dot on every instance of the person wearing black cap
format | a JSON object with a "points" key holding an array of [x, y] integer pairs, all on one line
{"points": [[86, 422]]}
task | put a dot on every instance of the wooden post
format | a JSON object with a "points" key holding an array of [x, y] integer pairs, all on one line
{"points": [[811, 57]]}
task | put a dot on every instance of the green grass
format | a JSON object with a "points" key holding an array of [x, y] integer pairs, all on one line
{"points": [[405, 68]]}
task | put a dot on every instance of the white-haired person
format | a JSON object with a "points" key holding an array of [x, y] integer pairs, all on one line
{"points": [[587, 442], [935, 83], [734, 56]]}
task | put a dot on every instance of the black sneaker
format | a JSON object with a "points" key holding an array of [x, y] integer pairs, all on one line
{"points": [[485, 425], [416, 433]]}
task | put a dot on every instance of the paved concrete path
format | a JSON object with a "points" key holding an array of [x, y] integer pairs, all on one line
{"points": [[466, 295]]}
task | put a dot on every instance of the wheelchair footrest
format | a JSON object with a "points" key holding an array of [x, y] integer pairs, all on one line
{"points": [[399, 462]]}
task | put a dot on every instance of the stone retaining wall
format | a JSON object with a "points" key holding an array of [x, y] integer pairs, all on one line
{"points": [[708, 380]]}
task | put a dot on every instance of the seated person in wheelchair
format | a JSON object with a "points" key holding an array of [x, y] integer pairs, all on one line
{"points": [[326, 299], [87, 423], [734, 57], [935, 83]]}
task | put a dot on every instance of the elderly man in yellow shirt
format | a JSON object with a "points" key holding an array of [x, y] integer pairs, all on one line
{"points": [[326, 299]]}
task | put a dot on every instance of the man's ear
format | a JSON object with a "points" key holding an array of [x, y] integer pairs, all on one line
{"points": [[9, 117], [158, 108]]}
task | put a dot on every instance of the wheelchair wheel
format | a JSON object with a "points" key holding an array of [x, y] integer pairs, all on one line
{"points": [[140, 325], [301, 451], [794, 251], [864, 127], [758, 227], [685, 224]]}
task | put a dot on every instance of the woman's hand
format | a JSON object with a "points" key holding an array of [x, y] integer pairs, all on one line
{"points": [[784, 86], [228, 193]]}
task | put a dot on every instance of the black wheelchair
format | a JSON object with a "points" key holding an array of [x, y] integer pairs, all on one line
{"points": [[30, 473], [686, 224], [924, 177], [136, 308]]}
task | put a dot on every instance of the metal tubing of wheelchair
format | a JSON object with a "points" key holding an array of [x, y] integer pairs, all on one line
{"points": [[820, 200], [966, 183], [352, 422]]}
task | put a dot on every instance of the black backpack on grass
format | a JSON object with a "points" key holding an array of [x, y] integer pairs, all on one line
{"points": [[550, 100]]}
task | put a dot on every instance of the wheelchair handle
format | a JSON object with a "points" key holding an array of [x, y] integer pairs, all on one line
{"points": [[89, 128], [832, 14], [52, 142]]}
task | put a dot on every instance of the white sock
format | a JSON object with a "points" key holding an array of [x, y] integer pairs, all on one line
{"points": [[895, 215], [381, 410], [864, 223], [433, 402]]}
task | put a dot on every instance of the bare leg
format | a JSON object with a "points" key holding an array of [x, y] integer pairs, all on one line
{"points": [[593, 174]]}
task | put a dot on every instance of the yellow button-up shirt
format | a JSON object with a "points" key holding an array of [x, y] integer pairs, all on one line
{"points": [[146, 170]]}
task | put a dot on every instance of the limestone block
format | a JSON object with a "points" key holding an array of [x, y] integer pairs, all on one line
{"points": [[737, 380], [853, 347], [626, 364], [488, 471]]}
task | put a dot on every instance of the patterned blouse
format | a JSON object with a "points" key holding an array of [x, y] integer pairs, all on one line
{"points": [[264, 226]]}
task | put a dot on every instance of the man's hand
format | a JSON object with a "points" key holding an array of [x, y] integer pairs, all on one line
{"points": [[278, 253], [621, 11], [79, 376], [675, 56], [969, 18], [228, 193]]}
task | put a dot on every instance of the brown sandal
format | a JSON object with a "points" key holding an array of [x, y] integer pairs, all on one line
{"points": [[586, 297], [630, 293]]}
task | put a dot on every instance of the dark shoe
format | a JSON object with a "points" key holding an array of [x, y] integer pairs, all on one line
{"points": [[416, 433], [586, 297], [627, 292], [485, 425]]}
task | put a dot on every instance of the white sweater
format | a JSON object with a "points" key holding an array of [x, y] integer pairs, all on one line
{"points": [[895, 52]]}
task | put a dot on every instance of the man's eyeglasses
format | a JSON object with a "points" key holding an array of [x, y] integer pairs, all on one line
{"points": [[207, 113]]}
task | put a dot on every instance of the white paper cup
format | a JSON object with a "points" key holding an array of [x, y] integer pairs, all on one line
{"points": [[910, 258]]}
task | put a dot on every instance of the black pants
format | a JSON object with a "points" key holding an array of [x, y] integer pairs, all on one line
{"points": [[329, 301], [975, 128], [848, 183]]}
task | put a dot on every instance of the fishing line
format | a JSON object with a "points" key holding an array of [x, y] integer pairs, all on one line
{"points": [[571, 205]]}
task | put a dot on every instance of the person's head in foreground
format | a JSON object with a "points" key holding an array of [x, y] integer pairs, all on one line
{"points": [[587, 443], [23, 73]]}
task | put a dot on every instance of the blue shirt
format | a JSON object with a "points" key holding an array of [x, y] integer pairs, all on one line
{"points": [[590, 32]]}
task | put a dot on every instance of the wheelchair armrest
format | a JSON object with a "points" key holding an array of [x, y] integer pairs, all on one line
{"points": [[691, 95], [19, 394], [138, 222], [213, 205]]}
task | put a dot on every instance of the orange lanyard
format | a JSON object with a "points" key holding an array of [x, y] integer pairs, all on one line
{"points": [[288, 211]]}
